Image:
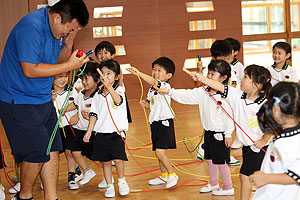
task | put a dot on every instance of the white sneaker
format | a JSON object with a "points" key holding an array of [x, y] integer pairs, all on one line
{"points": [[172, 181], [78, 177], [209, 188], [200, 153], [2, 193], [42, 187], [233, 161], [15, 189], [110, 192], [87, 177], [221, 192], [73, 185], [158, 181], [103, 183], [113, 163], [123, 187], [236, 144]]}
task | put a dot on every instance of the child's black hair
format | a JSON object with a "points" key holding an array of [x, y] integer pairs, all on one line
{"points": [[287, 95], [236, 45], [113, 66], [105, 45], [260, 75], [221, 48], [71, 9], [222, 67], [284, 46], [91, 70], [165, 63]]}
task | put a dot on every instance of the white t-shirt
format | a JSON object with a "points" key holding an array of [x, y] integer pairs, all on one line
{"points": [[212, 116], [283, 156], [245, 114], [60, 99], [237, 69], [287, 73], [99, 109], [159, 109], [83, 103]]}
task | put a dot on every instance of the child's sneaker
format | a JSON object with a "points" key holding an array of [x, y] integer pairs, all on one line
{"points": [[15, 189], [73, 185], [236, 144], [2, 193], [78, 174], [233, 161], [158, 181], [221, 192], [88, 175], [123, 187], [16, 197], [209, 188], [200, 152], [110, 191], [172, 181], [113, 163], [103, 183]]}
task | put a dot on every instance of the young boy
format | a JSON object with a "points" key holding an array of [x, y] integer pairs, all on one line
{"points": [[238, 69], [160, 118]]}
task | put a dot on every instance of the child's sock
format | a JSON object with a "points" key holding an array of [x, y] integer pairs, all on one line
{"points": [[78, 171], [172, 174], [226, 177], [213, 173], [121, 179], [164, 175], [87, 169], [110, 185]]}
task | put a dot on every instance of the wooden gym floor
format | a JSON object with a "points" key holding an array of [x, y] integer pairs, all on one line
{"points": [[137, 136]]}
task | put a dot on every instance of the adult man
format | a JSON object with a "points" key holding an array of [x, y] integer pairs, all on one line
{"points": [[36, 44]]}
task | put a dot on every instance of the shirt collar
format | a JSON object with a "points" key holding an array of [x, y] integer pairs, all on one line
{"points": [[285, 66], [258, 100], [234, 61], [288, 132]]}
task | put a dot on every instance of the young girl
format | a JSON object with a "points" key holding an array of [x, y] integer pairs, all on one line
{"points": [[59, 95], [245, 103], [279, 177], [280, 70], [90, 81], [108, 142], [218, 127]]}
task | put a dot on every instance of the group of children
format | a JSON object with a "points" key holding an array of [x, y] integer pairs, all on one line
{"points": [[96, 119]]}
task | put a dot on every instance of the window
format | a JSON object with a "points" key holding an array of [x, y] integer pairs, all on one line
{"points": [[201, 6], [107, 31], [200, 43], [108, 12], [201, 25]]}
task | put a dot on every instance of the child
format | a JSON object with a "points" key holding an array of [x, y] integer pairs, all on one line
{"points": [[2, 165], [280, 70], [279, 177], [238, 69], [217, 125], [108, 143], [245, 104], [59, 95], [90, 81], [160, 118]]}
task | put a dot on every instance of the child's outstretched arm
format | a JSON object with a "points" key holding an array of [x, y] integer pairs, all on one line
{"points": [[150, 80], [90, 128], [70, 107], [260, 179], [209, 82]]}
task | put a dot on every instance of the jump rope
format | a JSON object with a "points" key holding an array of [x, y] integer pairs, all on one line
{"points": [[64, 106]]}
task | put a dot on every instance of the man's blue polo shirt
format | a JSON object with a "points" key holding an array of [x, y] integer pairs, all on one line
{"points": [[30, 41]]}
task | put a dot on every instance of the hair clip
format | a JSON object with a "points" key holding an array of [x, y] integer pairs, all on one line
{"points": [[277, 101], [268, 79]]}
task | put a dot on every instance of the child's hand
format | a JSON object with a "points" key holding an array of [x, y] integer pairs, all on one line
{"points": [[195, 76], [163, 91], [258, 179], [143, 103], [86, 137], [53, 95], [228, 142], [105, 81], [78, 89], [85, 114], [133, 70], [260, 143], [200, 67], [74, 119]]}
